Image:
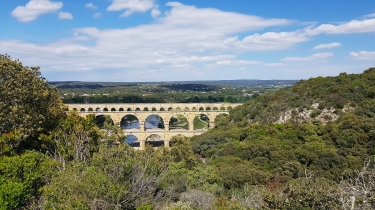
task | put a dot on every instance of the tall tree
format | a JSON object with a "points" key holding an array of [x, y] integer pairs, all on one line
{"points": [[28, 104]]}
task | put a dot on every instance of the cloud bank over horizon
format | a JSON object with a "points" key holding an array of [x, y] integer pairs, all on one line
{"points": [[180, 41]]}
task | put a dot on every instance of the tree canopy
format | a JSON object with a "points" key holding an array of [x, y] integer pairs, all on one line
{"points": [[28, 104]]}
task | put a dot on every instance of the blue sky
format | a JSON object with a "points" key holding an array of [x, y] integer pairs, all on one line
{"points": [[157, 40]]}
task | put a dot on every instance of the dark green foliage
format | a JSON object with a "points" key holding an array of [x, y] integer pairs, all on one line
{"points": [[286, 150], [329, 92]]}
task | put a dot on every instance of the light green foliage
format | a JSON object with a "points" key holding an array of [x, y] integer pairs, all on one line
{"points": [[303, 193], [21, 178], [181, 151], [28, 104], [113, 134], [223, 203], [83, 187], [145, 207], [115, 178], [179, 206], [74, 139]]}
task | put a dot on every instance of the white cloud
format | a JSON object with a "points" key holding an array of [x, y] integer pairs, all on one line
{"points": [[363, 55], [269, 41], [91, 6], [131, 6], [97, 15], [354, 26], [370, 15], [183, 39], [237, 62], [155, 12], [204, 18], [65, 16], [314, 57], [273, 64], [34, 9], [327, 46], [191, 59]]}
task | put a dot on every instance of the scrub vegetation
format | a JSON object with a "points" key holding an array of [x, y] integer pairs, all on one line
{"points": [[267, 154]]}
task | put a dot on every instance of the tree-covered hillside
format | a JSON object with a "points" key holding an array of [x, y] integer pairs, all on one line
{"points": [[330, 96], [253, 147], [318, 155]]}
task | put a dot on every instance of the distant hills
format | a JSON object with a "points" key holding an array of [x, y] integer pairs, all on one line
{"points": [[236, 83]]}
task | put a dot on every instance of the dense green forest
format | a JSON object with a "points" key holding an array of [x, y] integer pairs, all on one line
{"points": [[310, 146]]}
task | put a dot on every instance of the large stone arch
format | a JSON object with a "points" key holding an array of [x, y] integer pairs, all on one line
{"points": [[179, 121], [154, 121], [201, 122], [132, 140], [130, 121], [155, 140]]}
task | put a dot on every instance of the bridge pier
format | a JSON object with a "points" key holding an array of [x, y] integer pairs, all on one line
{"points": [[142, 144], [166, 143]]}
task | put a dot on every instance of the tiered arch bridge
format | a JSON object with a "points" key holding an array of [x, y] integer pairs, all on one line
{"points": [[187, 119]]}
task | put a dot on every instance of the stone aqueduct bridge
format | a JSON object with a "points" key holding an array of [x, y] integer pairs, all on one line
{"points": [[165, 110]]}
